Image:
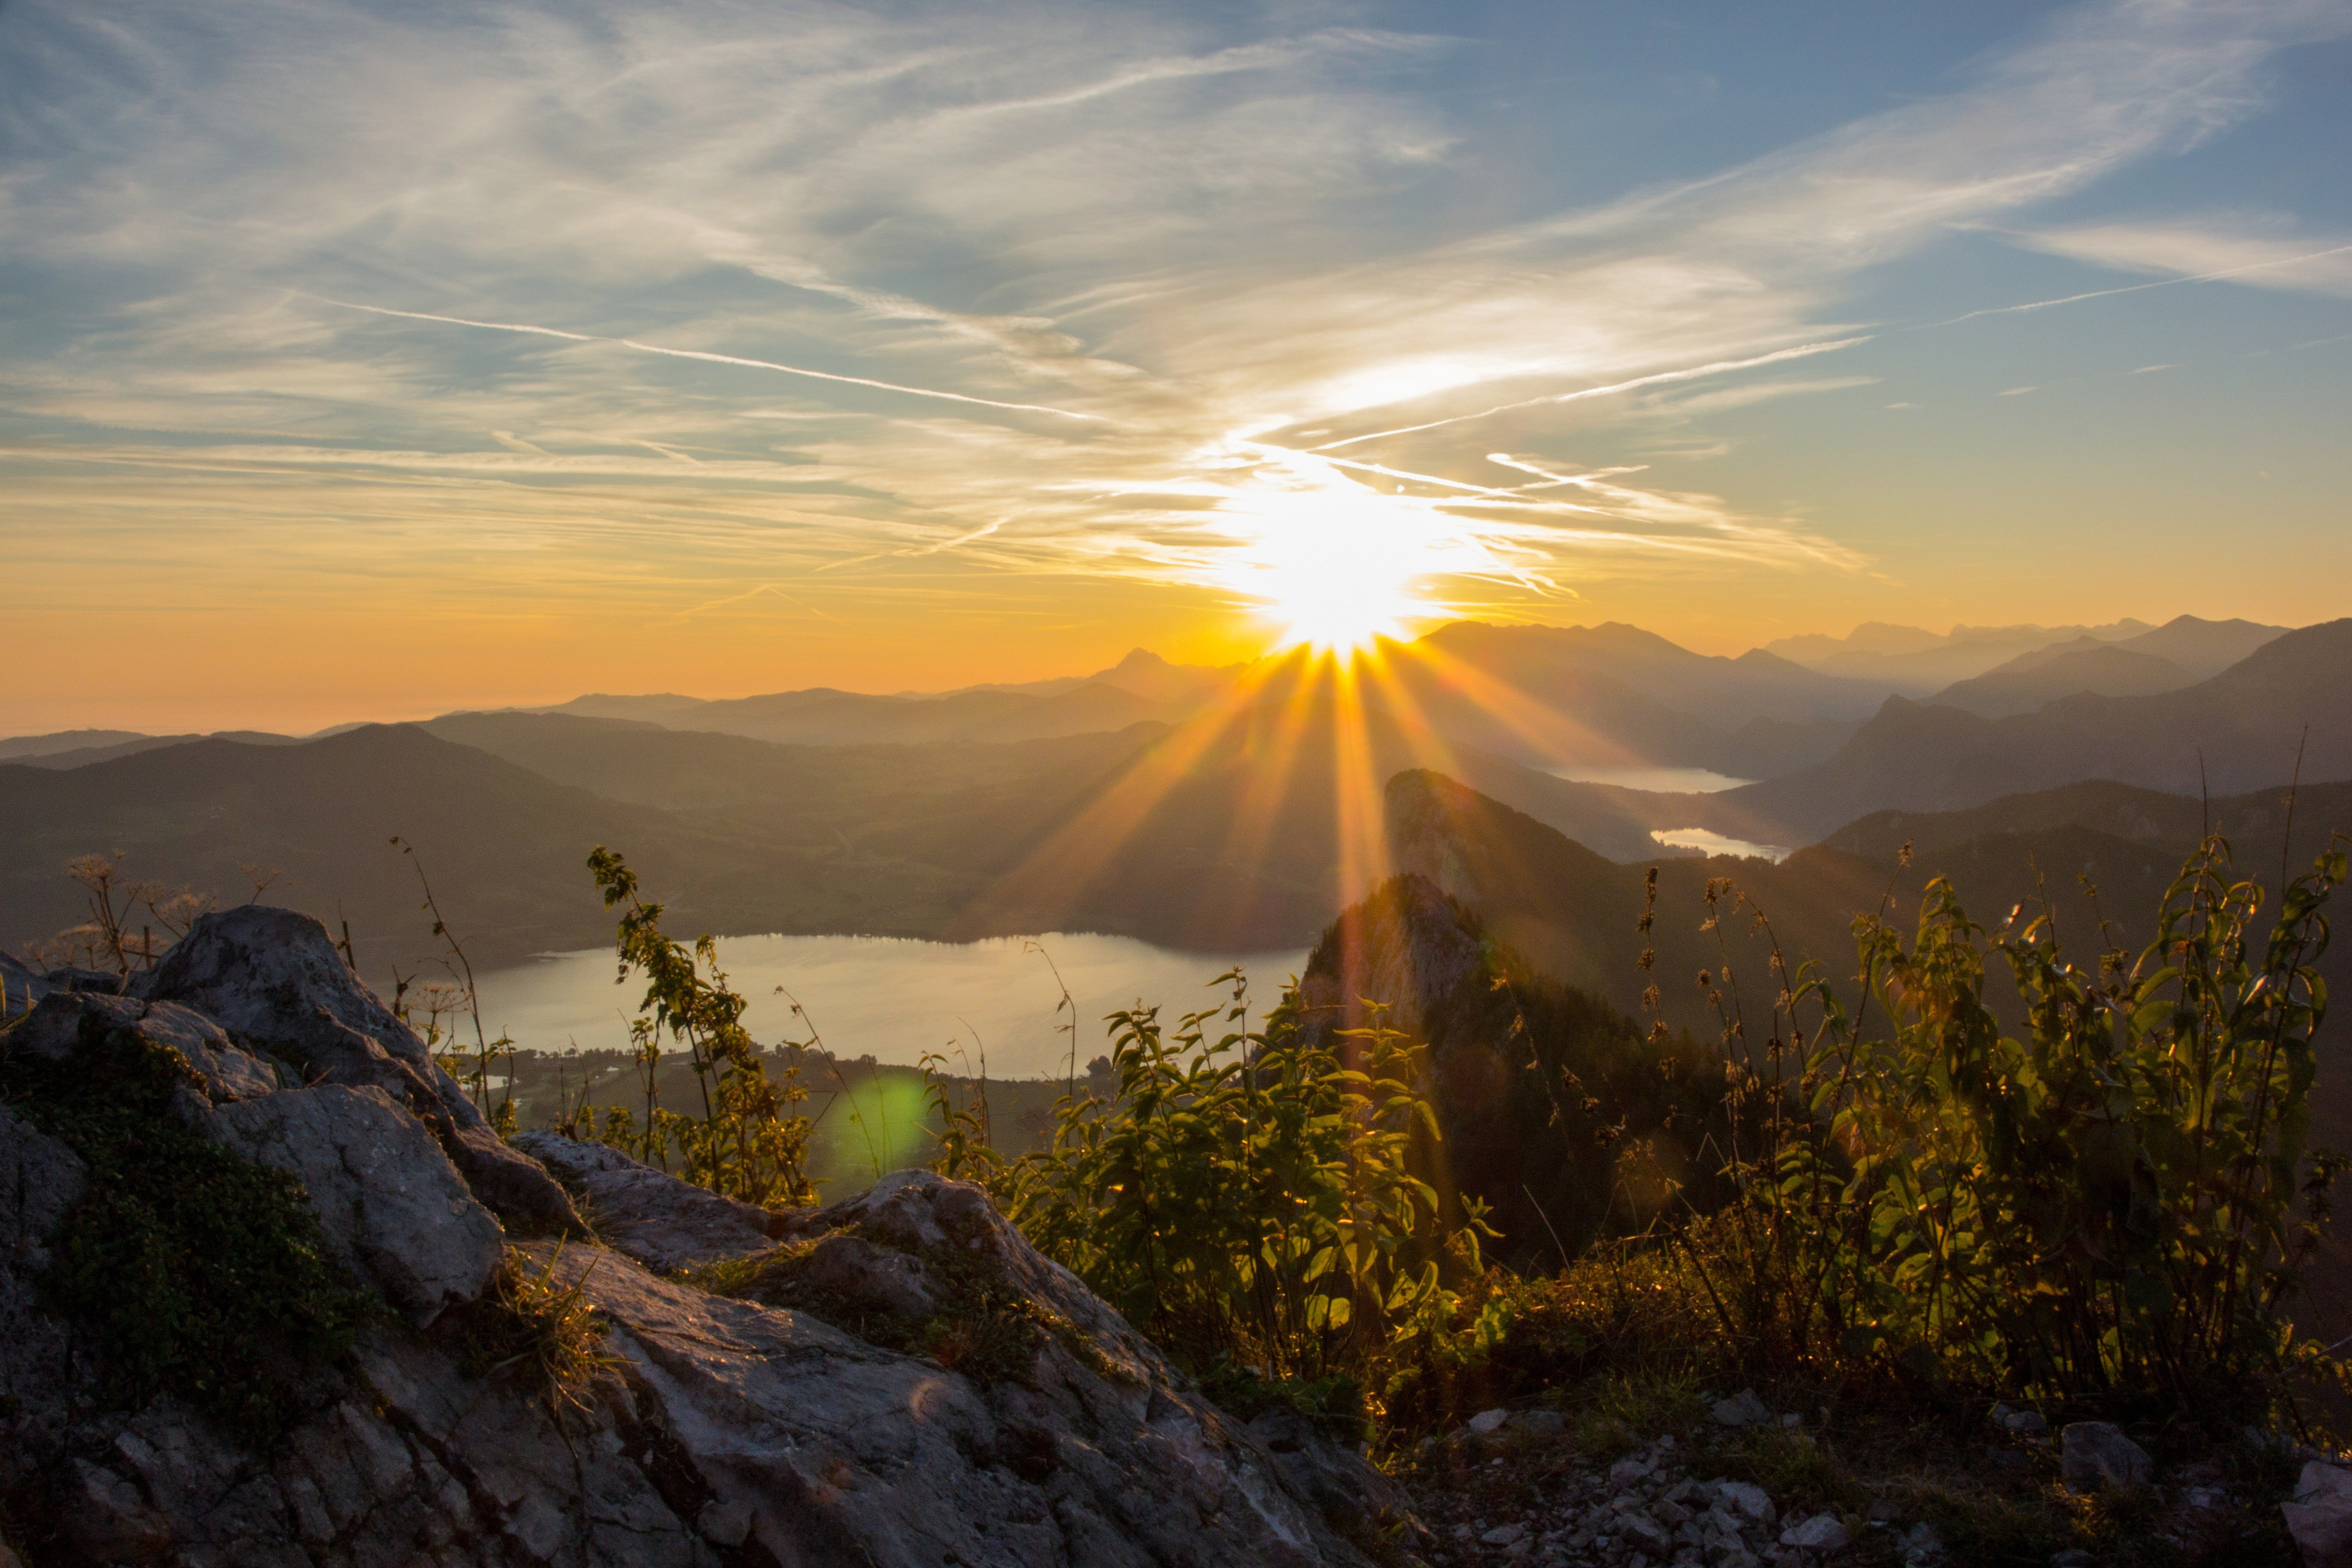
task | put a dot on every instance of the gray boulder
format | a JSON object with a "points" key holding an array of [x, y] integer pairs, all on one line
{"points": [[662, 1222], [2320, 1516], [275, 980], [819, 1448], [1824, 1533], [1337, 1481], [2095, 1454], [387, 1197], [988, 1410], [1742, 1409], [63, 1023], [953, 1230], [40, 1178]]}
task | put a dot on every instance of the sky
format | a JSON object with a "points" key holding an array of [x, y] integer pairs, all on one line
{"points": [[368, 361]]}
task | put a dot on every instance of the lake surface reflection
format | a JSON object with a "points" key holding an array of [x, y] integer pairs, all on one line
{"points": [[893, 997], [1665, 780], [1716, 844]]}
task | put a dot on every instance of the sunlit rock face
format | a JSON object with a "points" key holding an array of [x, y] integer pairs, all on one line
{"points": [[947, 1394]]}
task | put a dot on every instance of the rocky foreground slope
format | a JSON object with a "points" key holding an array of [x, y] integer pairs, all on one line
{"points": [[357, 1419]]}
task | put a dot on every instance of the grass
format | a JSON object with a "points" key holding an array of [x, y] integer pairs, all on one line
{"points": [[535, 1331]]}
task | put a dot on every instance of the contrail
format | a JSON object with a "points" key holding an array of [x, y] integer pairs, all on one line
{"points": [[855, 380], [1717, 368], [720, 359], [462, 321], [2130, 289]]}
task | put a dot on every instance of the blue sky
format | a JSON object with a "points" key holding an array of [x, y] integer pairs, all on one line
{"points": [[379, 359]]}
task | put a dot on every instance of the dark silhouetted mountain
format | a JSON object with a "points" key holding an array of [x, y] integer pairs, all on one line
{"points": [[824, 717], [1549, 664], [2203, 648], [1912, 662], [506, 846], [2238, 731], [19, 748], [83, 755], [968, 808], [1540, 1158], [2068, 669], [1572, 912]]}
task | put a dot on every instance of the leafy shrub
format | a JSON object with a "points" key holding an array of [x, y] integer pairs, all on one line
{"points": [[2108, 1211], [1248, 1197], [744, 1144], [2116, 1205]]}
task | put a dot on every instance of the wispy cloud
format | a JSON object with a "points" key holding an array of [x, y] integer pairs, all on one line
{"points": [[1025, 288]]}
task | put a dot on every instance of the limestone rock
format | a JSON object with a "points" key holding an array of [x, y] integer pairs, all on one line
{"points": [[273, 978], [715, 1432], [662, 1222], [108, 1521], [64, 1022], [40, 1178], [952, 1224], [386, 1196], [1824, 1533], [1742, 1409], [2096, 1454], [820, 1448], [1337, 1481], [2320, 1516]]}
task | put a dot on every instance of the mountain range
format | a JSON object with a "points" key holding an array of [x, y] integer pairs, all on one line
{"points": [[1255, 804], [2283, 711]]}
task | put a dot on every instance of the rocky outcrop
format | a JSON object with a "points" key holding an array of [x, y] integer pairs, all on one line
{"points": [[274, 980], [648, 1214], [387, 1197], [944, 1394], [2320, 1516], [63, 1022]]}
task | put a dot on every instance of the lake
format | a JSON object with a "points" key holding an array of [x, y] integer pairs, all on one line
{"points": [[891, 997], [1716, 844], [1663, 781]]}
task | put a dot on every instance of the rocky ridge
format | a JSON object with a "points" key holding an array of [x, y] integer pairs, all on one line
{"points": [[965, 1402]]}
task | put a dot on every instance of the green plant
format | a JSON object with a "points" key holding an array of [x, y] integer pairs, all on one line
{"points": [[2112, 1207], [966, 1134], [745, 1144], [1247, 1197]]}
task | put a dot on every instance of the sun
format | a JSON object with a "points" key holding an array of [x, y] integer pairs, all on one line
{"points": [[1337, 570]]}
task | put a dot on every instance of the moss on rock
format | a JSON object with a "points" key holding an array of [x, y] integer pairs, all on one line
{"points": [[195, 1271]]}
